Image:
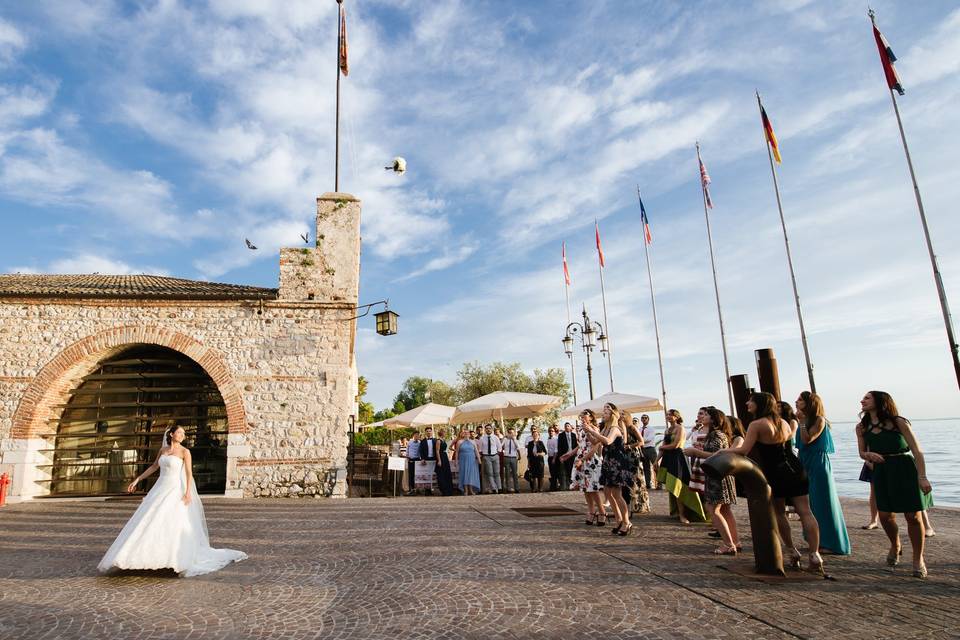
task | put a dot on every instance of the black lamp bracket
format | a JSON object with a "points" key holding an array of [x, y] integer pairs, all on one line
{"points": [[367, 307]]}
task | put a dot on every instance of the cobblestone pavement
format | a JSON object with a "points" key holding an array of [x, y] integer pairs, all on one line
{"points": [[454, 568]]}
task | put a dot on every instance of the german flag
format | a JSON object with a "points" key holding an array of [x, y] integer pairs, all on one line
{"points": [[771, 136]]}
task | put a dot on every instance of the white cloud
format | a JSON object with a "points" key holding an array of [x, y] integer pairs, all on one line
{"points": [[451, 256], [91, 263], [12, 42]]}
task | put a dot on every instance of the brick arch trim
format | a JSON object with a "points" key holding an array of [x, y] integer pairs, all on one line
{"points": [[52, 385]]}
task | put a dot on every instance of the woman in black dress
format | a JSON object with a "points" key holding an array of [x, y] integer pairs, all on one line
{"points": [[444, 475], [616, 471], [768, 443], [535, 453]]}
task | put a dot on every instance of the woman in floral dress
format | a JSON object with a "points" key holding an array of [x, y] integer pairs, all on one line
{"points": [[635, 494], [586, 470]]}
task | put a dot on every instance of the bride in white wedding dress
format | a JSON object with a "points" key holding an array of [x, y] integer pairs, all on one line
{"points": [[168, 529]]}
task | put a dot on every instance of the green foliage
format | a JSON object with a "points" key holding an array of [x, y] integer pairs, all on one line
{"points": [[475, 380], [366, 409], [381, 435]]}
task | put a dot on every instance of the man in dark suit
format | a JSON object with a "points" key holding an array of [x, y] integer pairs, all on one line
{"points": [[428, 451], [566, 444]]}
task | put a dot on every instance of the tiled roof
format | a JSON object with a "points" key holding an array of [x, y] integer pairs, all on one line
{"points": [[137, 286]]}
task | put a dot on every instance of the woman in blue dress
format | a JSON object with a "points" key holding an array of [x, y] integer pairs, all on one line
{"points": [[468, 460], [815, 444]]}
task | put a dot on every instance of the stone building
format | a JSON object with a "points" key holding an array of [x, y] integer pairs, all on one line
{"points": [[94, 367]]}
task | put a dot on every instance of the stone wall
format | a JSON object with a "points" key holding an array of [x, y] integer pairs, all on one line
{"points": [[285, 367]]}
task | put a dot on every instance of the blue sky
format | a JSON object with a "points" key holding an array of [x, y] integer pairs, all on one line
{"points": [[154, 137]]}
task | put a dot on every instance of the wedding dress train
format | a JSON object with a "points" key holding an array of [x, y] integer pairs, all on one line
{"points": [[166, 533]]}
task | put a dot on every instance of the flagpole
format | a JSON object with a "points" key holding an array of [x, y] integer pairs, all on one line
{"points": [[573, 369], [941, 292], [786, 244], [606, 323], [336, 170], [716, 287], [656, 323]]}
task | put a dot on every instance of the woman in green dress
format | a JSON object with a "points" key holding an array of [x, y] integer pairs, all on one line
{"points": [[899, 479]]}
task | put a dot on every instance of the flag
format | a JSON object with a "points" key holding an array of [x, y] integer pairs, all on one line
{"points": [[887, 59], [705, 182], [344, 67], [647, 236], [599, 248], [566, 270], [771, 136]]}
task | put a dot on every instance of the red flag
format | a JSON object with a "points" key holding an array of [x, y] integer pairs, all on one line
{"points": [[566, 270], [599, 248], [344, 67], [887, 59]]}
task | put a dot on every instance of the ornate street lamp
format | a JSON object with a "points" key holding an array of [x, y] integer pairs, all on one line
{"points": [[588, 331]]}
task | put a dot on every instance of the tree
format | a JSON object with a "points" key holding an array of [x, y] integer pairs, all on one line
{"points": [[365, 409], [477, 380], [414, 392]]}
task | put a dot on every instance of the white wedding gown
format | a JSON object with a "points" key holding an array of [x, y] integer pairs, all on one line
{"points": [[164, 533]]}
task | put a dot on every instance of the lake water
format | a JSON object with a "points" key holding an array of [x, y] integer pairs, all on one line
{"points": [[936, 439]]}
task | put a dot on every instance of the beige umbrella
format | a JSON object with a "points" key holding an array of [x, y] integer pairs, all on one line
{"points": [[430, 413], [622, 401], [505, 405]]}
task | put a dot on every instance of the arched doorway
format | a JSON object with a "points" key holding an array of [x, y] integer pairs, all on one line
{"points": [[112, 425]]}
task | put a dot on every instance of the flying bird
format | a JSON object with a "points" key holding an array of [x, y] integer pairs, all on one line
{"points": [[250, 245], [305, 237]]}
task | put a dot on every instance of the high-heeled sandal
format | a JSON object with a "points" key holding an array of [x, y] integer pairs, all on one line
{"points": [[601, 519], [893, 558], [591, 519], [816, 563], [616, 529], [625, 532], [920, 571], [795, 556], [724, 550]]}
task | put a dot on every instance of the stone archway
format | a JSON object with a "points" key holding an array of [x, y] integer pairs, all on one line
{"points": [[52, 384], [51, 387]]}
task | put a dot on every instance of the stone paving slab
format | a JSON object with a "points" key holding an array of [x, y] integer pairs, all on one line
{"points": [[453, 568]]}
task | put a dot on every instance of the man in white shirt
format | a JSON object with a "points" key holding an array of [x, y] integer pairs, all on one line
{"points": [[648, 450], [567, 444], [413, 454], [490, 448], [511, 454]]}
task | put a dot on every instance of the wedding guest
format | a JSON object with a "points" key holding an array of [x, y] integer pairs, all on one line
{"points": [[497, 431], [535, 454], [788, 414], [553, 460], [674, 474], [768, 443], [900, 483], [567, 447], [696, 439], [815, 444], [468, 464], [413, 454], [586, 469], [737, 433], [490, 447], [718, 493], [444, 473], [428, 453], [511, 455], [635, 494], [616, 470], [649, 452]]}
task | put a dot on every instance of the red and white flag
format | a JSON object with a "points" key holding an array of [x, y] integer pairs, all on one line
{"points": [[887, 59], [566, 270], [705, 181], [599, 248], [344, 67]]}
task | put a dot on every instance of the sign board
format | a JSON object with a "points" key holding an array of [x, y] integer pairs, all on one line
{"points": [[424, 475], [396, 463]]}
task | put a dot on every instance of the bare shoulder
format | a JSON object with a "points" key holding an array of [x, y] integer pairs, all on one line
{"points": [[903, 424]]}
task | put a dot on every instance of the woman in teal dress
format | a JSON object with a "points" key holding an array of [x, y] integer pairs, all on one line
{"points": [[900, 482], [468, 463], [815, 444]]}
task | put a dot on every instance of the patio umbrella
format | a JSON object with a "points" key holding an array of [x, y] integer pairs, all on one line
{"points": [[505, 405], [430, 413], [622, 401]]}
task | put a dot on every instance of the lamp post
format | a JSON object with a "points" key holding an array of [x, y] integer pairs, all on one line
{"points": [[588, 331]]}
